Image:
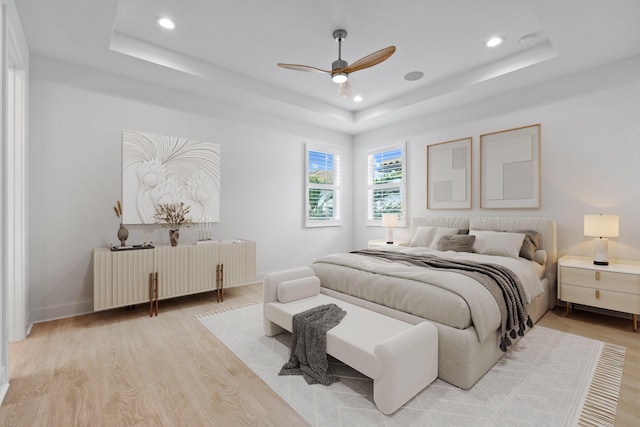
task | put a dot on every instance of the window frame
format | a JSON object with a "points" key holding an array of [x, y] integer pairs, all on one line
{"points": [[402, 185], [336, 220]]}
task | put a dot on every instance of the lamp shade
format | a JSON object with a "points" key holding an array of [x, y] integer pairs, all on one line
{"points": [[389, 220], [601, 225]]}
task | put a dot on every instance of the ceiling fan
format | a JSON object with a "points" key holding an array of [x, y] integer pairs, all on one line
{"points": [[340, 69]]}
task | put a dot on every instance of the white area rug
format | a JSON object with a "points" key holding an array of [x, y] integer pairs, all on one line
{"points": [[544, 380]]}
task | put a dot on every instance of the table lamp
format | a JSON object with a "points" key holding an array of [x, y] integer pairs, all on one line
{"points": [[600, 227], [390, 221]]}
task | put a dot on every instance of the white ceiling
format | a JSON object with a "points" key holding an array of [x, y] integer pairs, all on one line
{"points": [[228, 49]]}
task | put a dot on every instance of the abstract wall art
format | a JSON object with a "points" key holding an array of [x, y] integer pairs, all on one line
{"points": [[510, 169], [159, 169], [449, 174]]}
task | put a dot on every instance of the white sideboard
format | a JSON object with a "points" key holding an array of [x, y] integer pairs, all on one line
{"points": [[123, 278]]}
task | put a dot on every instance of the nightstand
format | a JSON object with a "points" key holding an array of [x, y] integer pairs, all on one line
{"points": [[382, 243], [615, 286]]}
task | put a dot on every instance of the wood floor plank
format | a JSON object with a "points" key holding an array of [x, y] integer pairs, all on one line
{"points": [[123, 367]]}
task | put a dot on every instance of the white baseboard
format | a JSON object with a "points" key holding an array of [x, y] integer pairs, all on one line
{"points": [[598, 310], [4, 387], [29, 327], [46, 314]]}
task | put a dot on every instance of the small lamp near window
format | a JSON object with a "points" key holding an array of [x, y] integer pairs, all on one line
{"points": [[390, 221], [600, 227]]}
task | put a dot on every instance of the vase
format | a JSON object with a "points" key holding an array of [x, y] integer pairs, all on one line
{"points": [[174, 235], [123, 234]]}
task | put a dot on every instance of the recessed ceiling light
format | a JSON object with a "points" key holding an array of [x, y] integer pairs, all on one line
{"points": [[413, 76], [167, 23], [528, 39], [357, 98], [494, 41]]}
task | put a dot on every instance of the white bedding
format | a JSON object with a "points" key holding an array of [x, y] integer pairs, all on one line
{"points": [[449, 298]]}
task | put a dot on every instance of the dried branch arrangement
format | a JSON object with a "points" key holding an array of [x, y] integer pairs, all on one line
{"points": [[172, 215], [118, 209]]}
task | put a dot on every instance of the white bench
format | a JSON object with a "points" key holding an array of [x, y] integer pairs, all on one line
{"points": [[401, 358]]}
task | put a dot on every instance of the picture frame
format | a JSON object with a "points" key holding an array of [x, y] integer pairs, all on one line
{"points": [[449, 172], [510, 168], [162, 169]]}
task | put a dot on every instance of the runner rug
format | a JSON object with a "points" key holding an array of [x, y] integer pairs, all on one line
{"points": [[548, 378]]}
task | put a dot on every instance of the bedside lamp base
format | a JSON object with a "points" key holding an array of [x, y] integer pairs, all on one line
{"points": [[601, 251], [389, 236]]}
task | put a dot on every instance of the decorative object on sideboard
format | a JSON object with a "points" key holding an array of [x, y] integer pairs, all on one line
{"points": [[131, 248], [600, 227], [173, 216], [204, 229], [390, 221], [123, 233]]}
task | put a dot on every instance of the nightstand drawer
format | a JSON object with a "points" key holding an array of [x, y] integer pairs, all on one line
{"points": [[602, 298], [598, 279]]}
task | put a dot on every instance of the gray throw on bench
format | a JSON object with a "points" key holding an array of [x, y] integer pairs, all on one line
{"points": [[309, 344], [501, 282]]}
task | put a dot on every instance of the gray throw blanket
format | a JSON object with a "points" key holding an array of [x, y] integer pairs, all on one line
{"points": [[309, 344], [501, 282]]}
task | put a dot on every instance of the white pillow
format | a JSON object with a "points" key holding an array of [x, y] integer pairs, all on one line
{"points": [[442, 231], [292, 290], [540, 256], [423, 236], [427, 237], [497, 243]]}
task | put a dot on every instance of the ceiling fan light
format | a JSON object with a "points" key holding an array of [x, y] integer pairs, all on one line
{"points": [[339, 77]]}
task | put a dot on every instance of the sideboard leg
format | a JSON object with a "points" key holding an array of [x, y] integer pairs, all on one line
{"points": [[150, 294], [157, 293]]}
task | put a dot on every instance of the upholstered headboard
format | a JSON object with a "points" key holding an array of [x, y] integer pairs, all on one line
{"points": [[545, 226]]}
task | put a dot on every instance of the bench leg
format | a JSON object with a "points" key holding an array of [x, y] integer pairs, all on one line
{"points": [[270, 328], [409, 363]]}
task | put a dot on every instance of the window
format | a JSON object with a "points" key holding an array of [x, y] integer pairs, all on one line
{"points": [[322, 187], [387, 183]]}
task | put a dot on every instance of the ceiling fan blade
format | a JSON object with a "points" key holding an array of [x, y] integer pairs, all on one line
{"points": [[370, 60], [306, 68], [344, 89]]}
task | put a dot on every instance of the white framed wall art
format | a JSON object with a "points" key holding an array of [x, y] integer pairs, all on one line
{"points": [[510, 169], [449, 174], [159, 169]]}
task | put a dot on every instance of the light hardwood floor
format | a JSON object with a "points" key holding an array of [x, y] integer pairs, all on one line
{"points": [[122, 367]]}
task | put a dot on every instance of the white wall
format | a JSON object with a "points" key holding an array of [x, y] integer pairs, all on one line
{"points": [[76, 120], [590, 158], [590, 154]]}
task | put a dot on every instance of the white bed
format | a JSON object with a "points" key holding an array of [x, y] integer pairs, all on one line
{"points": [[469, 345]]}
